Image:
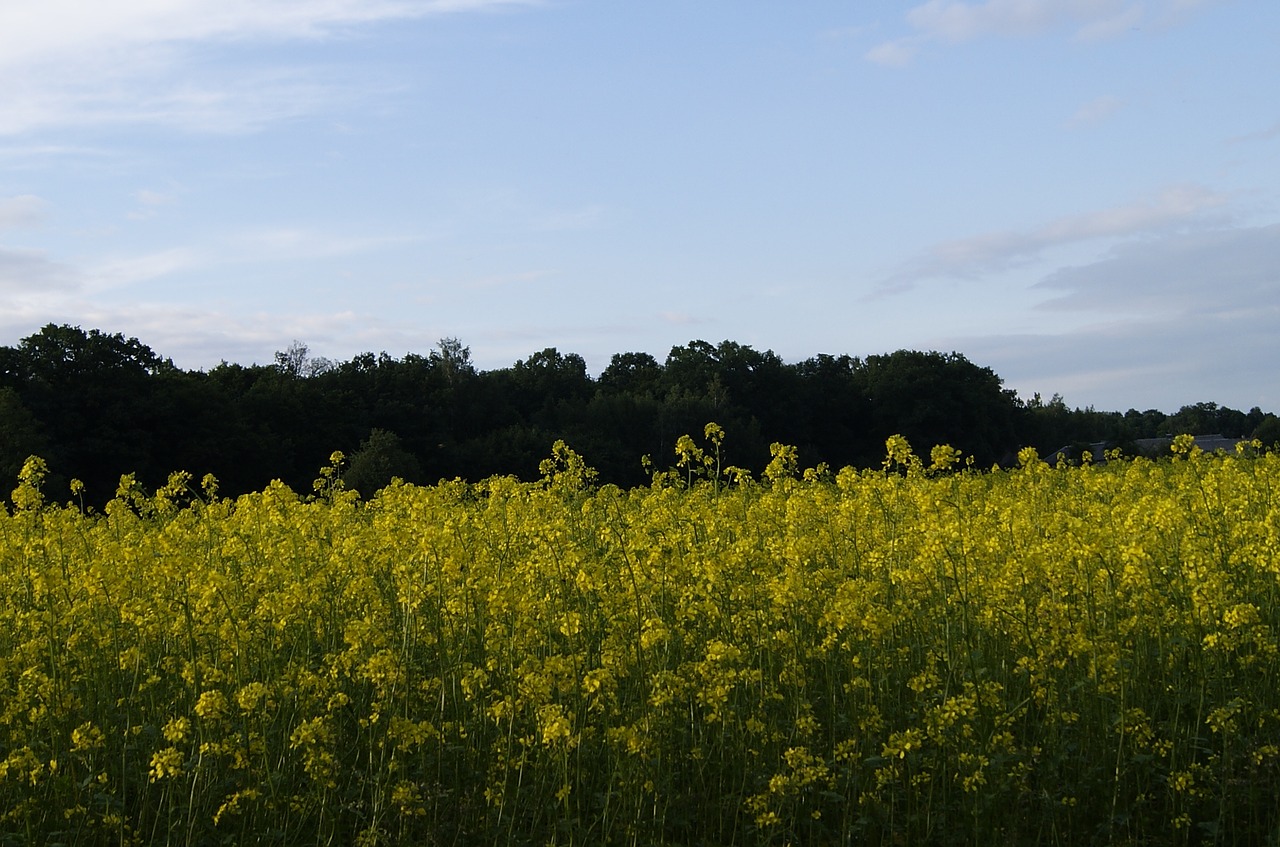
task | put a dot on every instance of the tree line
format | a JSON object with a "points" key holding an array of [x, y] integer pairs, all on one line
{"points": [[97, 405]]}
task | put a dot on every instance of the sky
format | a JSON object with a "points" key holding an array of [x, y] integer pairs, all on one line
{"points": [[1082, 195]]}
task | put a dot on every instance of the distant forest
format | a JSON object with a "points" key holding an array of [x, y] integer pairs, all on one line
{"points": [[96, 405]]}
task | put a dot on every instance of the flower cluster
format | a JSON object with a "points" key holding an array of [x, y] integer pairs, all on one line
{"points": [[921, 653]]}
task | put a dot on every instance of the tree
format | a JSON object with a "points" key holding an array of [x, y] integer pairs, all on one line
{"points": [[58, 354], [834, 413], [453, 361], [692, 368], [93, 393], [296, 361], [1208, 419], [547, 378], [380, 459], [1268, 431], [631, 373], [1148, 424], [936, 398], [21, 436]]}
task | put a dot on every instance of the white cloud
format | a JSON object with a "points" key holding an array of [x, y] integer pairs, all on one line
{"points": [[60, 29], [1187, 309], [27, 273], [23, 210], [279, 243], [894, 54], [1104, 28], [149, 203], [65, 62], [1096, 111], [952, 20], [681, 318], [1267, 134], [164, 91], [997, 251], [956, 21], [1175, 12], [1161, 363], [507, 279], [1216, 272], [200, 337], [24, 155], [130, 270], [32, 275], [147, 197]]}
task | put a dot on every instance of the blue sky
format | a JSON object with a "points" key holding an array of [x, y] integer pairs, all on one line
{"points": [[1083, 195]]}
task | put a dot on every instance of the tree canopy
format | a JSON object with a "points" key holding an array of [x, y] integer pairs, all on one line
{"points": [[97, 405]]}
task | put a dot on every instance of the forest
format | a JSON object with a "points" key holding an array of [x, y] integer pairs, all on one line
{"points": [[96, 405]]}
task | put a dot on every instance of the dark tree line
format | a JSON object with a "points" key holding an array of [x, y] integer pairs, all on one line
{"points": [[97, 405]]}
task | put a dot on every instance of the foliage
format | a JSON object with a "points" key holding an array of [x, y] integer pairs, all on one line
{"points": [[922, 653], [20, 434], [380, 459], [99, 405]]}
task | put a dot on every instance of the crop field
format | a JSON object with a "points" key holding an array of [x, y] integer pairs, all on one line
{"points": [[927, 653]]}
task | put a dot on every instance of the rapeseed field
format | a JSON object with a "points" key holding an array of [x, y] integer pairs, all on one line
{"points": [[926, 653]]}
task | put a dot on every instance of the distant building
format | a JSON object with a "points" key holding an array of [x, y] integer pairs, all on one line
{"points": [[1150, 447]]}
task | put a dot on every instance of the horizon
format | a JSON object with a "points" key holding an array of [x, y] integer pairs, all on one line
{"points": [[1080, 195], [595, 373]]}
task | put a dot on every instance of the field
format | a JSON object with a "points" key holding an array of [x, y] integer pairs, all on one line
{"points": [[923, 654]]}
